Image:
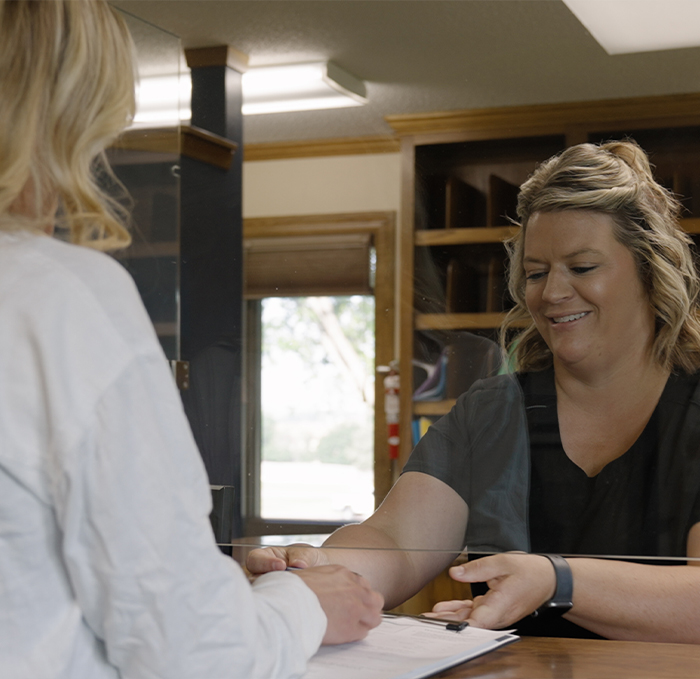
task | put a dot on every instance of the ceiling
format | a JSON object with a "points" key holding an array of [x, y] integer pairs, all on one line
{"points": [[421, 55]]}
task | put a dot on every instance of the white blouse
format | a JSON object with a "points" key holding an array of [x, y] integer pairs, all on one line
{"points": [[108, 566]]}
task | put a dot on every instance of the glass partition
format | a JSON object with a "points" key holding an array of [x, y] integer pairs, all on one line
{"points": [[498, 474], [442, 585], [515, 479], [146, 160], [488, 440]]}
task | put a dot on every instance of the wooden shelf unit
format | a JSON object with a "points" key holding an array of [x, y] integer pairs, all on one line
{"points": [[464, 236], [691, 225], [461, 170], [429, 408], [476, 321]]}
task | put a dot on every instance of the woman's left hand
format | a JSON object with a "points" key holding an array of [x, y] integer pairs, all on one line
{"points": [[518, 584]]}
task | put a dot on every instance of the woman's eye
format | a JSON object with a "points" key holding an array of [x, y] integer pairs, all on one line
{"points": [[582, 269], [535, 275]]}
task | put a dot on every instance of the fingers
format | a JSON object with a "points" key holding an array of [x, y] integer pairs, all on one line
{"points": [[351, 606], [454, 606], [491, 611], [481, 570], [266, 560], [364, 605], [301, 555], [456, 609], [278, 558], [305, 556], [518, 584], [373, 606]]}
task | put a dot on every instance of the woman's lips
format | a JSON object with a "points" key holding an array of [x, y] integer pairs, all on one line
{"points": [[568, 318]]}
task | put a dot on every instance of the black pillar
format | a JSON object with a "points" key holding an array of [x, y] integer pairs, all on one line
{"points": [[211, 272]]}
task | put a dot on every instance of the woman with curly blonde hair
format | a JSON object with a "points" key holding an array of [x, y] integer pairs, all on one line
{"points": [[614, 179], [108, 564], [60, 108], [591, 448]]}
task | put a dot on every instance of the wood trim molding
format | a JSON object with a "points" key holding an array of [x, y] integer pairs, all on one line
{"points": [[208, 147], [192, 142], [676, 109], [343, 146], [316, 225], [155, 140], [487, 234], [219, 55]]}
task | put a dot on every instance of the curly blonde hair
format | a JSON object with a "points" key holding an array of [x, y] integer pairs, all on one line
{"points": [[67, 84], [613, 178]]}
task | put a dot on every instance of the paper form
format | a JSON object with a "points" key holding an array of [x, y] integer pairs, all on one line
{"points": [[404, 648]]}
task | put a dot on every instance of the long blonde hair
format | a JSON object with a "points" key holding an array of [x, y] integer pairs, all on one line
{"points": [[66, 92], [614, 178]]}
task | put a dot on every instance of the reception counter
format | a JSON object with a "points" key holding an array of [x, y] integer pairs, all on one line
{"points": [[548, 658]]}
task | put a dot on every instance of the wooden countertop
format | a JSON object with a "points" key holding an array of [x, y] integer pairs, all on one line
{"points": [[547, 658]]}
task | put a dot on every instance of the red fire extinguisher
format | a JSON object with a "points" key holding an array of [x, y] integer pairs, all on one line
{"points": [[391, 406]]}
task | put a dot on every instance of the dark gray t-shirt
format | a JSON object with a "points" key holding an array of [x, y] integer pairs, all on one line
{"points": [[500, 449]]}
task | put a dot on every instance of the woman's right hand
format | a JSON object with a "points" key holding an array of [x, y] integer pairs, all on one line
{"points": [[456, 609], [300, 555]]}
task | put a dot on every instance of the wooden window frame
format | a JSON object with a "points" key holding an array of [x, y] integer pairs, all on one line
{"points": [[381, 226]]}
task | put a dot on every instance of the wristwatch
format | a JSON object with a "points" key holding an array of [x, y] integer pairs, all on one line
{"points": [[562, 601]]}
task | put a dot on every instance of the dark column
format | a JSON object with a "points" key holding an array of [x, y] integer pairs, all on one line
{"points": [[211, 272]]}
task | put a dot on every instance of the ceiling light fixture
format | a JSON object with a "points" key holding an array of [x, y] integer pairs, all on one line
{"points": [[627, 26], [163, 101], [300, 87]]}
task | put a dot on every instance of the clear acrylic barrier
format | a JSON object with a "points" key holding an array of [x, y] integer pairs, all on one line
{"points": [[497, 449], [496, 461], [146, 159], [443, 588], [492, 476]]}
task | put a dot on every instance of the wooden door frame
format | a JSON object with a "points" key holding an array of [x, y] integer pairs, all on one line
{"points": [[381, 226]]}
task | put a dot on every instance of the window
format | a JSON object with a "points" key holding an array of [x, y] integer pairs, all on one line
{"points": [[319, 315], [317, 408]]}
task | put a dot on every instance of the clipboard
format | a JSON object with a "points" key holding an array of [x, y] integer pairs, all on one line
{"points": [[404, 647]]}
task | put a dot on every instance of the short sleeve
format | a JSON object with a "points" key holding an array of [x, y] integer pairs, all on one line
{"points": [[481, 450]]}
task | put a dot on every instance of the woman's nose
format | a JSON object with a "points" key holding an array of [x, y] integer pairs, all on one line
{"points": [[557, 287]]}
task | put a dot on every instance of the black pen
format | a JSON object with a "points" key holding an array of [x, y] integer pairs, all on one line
{"points": [[452, 625]]}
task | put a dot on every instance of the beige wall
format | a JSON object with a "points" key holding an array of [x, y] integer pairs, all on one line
{"points": [[335, 184]]}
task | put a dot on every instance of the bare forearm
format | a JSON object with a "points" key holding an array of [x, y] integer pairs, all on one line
{"points": [[370, 551], [640, 602], [416, 532]]}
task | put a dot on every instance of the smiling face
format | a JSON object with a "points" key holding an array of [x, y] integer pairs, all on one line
{"points": [[584, 293]]}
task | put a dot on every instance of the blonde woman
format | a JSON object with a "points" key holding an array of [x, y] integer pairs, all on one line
{"points": [[592, 448], [108, 565]]}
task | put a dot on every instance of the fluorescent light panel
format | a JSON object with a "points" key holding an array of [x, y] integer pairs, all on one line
{"points": [[627, 26], [266, 89], [163, 101], [300, 87]]}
